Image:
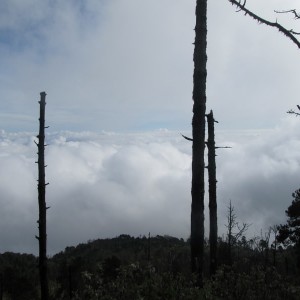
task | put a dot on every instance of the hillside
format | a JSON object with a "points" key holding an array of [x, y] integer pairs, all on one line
{"points": [[131, 268]]}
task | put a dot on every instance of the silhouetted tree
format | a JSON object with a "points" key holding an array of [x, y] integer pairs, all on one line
{"points": [[231, 222], [42, 238], [198, 124], [234, 231], [149, 248], [262, 246], [213, 224], [274, 229], [289, 233]]}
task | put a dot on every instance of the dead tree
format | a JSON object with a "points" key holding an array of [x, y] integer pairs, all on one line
{"points": [[234, 231], [231, 223], [42, 238], [198, 124], [274, 244], [149, 248], [213, 225]]}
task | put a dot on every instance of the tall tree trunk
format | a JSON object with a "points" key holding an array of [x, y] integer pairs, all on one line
{"points": [[213, 225], [198, 123], [42, 238]]}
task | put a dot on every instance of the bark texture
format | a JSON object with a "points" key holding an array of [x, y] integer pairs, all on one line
{"points": [[42, 238], [198, 124]]}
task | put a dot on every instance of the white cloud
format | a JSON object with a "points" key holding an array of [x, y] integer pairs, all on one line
{"points": [[100, 186], [259, 173], [103, 185], [113, 64], [127, 65]]}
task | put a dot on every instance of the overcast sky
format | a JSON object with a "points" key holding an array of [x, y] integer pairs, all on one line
{"points": [[118, 77]]}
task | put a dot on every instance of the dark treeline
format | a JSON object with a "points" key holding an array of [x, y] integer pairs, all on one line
{"points": [[126, 267]]}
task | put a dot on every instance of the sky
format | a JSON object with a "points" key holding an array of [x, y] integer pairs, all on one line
{"points": [[118, 77]]}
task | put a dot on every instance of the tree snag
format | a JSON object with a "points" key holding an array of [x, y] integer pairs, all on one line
{"points": [[42, 238], [198, 124], [213, 224]]}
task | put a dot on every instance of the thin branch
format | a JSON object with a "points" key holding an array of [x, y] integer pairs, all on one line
{"points": [[292, 112], [294, 32], [241, 229], [187, 138], [214, 119], [288, 33], [225, 147], [293, 11], [243, 5]]}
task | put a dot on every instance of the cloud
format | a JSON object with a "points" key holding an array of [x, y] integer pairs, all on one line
{"points": [[18, 185], [103, 185], [259, 174], [117, 65], [112, 189], [113, 76], [252, 69]]}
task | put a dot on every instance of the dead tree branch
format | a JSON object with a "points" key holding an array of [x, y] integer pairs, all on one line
{"points": [[288, 33], [187, 138], [293, 11], [225, 147], [291, 111]]}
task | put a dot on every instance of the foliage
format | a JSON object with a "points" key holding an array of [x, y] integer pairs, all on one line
{"points": [[134, 282], [153, 268], [232, 283], [290, 233], [19, 276]]}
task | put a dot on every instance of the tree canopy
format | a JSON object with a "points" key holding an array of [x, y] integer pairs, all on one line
{"points": [[289, 233]]}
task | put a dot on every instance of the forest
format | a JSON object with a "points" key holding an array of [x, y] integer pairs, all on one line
{"points": [[147, 267]]}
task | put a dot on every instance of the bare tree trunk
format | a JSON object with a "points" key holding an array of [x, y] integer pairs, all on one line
{"points": [[231, 223], [42, 238], [213, 225], [198, 123], [275, 231], [149, 248]]}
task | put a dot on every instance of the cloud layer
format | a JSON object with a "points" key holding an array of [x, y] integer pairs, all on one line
{"points": [[103, 185]]}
